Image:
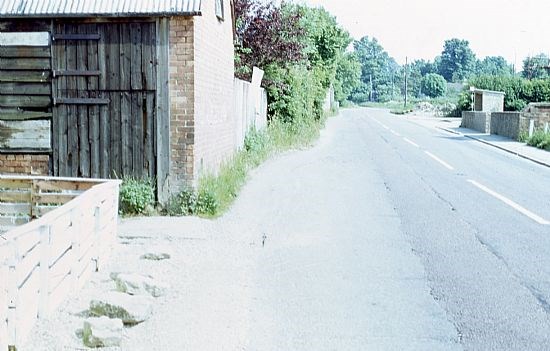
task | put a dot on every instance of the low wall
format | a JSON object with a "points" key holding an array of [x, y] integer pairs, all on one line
{"points": [[45, 260], [250, 110], [539, 119], [480, 121], [506, 124]]}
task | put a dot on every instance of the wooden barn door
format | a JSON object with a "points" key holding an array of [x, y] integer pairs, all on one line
{"points": [[104, 82]]}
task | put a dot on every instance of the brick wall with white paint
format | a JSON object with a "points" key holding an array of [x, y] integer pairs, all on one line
{"points": [[214, 79]]}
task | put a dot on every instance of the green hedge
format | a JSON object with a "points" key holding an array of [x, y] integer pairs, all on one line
{"points": [[518, 91]]}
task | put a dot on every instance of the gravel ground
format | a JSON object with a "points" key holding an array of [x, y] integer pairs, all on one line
{"points": [[335, 273], [207, 278]]}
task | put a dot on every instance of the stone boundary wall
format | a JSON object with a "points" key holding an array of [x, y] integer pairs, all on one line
{"points": [[480, 121], [506, 124]]}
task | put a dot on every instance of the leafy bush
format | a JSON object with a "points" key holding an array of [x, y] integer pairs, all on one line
{"points": [[188, 202], [540, 139], [136, 196], [434, 85], [518, 91]]}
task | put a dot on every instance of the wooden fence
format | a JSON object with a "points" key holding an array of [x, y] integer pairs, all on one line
{"points": [[71, 228]]}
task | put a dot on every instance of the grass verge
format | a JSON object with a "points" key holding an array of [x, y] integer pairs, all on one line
{"points": [[220, 190], [540, 139]]}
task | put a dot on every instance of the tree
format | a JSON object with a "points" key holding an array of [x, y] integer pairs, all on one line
{"points": [[457, 60], [266, 35], [348, 77], [536, 67], [494, 66], [434, 85], [379, 72]]}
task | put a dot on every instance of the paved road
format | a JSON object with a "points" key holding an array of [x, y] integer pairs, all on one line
{"points": [[390, 235], [387, 235]]}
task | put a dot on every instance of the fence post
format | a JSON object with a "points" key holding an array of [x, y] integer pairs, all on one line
{"points": [[75, 249], [531, 127], [97, 234], [3, 300], [546, 127], [45, 240], [13, 294]]}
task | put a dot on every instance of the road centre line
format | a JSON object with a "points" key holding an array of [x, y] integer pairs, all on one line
{"points": [[510, 203], [445, 164], [395, 133], [411, 142]]}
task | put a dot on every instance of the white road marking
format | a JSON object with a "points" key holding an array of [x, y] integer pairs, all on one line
{"points": [[511, 203], [411, 142], [445, 164], [395, 133]]}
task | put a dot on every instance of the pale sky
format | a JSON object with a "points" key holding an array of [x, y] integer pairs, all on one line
{"points": [[513, 29]]}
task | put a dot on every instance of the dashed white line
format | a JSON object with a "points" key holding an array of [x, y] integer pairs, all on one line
{"points": [[445, 164], [511, 203], [395, 133], [411, 142]]}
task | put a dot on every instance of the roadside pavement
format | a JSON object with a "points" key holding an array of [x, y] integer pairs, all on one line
{"points": [[452, 125]]}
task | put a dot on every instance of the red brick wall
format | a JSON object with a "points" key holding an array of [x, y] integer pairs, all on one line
{"points": [[182, 100], [24, 164], [201, 95]]}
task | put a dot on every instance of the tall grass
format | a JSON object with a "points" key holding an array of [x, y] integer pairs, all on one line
{"points": [[258, 147]]}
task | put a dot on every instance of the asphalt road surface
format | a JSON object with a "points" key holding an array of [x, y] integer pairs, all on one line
{"points": [[387, 235], [391, 235]]}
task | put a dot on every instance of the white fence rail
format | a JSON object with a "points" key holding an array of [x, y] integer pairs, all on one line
{"points": [[49, 258], [250, 110]]}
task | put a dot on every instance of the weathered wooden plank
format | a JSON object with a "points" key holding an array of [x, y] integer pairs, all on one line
{"points": [[24, 25], [81, 101], [149, 125], [125, 57], [25, 88], [93, 111], [116, 140], [25, 101], [93, 60], [59, 126], [72, 93], [148, 56], [37, 64], [53, 198], [136, 71], [15, 196], [112, 49], [102, 57], [25, 76], [84, 142], [104, 140], [78, 36], [93, 140], [162, 113], [138, 135], [14, 184], [25, 51], [15, 208], [84, 73], [58, 185], [25, 134], [23, 116], [126, 133]]}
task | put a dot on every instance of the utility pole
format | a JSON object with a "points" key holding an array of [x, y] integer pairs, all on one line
{"points": [[406, 83], [371, 92]]}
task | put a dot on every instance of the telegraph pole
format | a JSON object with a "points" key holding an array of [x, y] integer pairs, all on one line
{"points": [[406, 83]]}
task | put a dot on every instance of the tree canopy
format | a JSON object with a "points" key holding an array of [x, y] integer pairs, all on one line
{"points": [[457, 60]]}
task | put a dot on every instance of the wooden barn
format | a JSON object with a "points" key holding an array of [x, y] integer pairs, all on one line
{"points": [[107, 88]]}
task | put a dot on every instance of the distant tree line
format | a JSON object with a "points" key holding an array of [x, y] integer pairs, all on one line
{"points": [[382, 79]]}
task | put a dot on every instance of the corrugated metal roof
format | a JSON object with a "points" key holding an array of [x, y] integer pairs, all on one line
{"points": [[92, 8]]}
